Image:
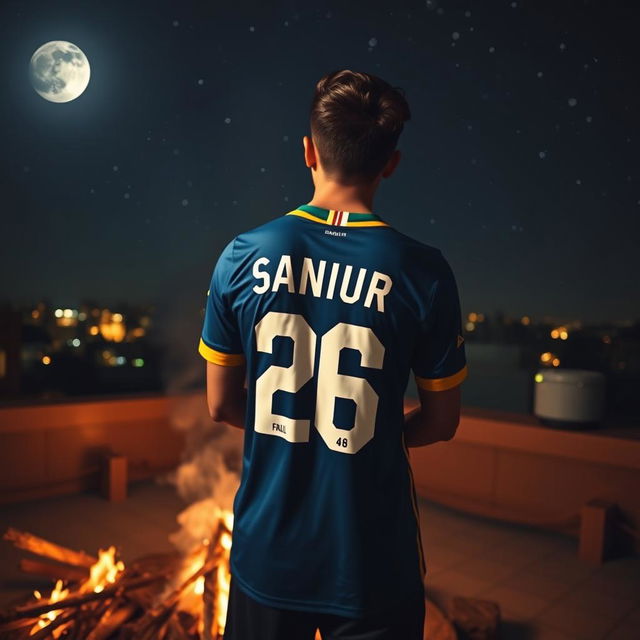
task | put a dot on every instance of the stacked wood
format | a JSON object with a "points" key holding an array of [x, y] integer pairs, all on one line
{"points": [[131, 607], [142, 602]]}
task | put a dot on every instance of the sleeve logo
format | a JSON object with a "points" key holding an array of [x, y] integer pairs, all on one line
{"points": [[460, 340]]}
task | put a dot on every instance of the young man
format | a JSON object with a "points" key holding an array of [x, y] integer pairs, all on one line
{"points": [[325, 310]]}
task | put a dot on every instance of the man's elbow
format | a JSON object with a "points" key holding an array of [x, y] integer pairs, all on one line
{"points": [[449, 435], [448, 431], [218, 413]]}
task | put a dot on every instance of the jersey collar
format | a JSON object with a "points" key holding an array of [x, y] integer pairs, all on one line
{"points": [[337, 217]]}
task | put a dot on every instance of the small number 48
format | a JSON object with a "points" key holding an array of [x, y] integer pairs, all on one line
{"points": [[341, 442]]}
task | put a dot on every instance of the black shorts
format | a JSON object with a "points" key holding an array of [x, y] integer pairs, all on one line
{"points": [[251, 620]]}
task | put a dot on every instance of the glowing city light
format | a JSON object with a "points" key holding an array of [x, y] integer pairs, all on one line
{"points": [[560, 332]]}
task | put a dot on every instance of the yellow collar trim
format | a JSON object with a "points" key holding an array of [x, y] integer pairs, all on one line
{"points": [[348, 223]]}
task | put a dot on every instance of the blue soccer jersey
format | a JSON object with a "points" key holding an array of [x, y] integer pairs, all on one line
{"points": [[330, 311]]}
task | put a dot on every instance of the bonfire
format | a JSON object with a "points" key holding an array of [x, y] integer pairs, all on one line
{"points": [[180, 595], [161, 596]]}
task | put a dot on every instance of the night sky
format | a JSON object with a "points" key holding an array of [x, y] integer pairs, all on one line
{"points": [[521, 160]]}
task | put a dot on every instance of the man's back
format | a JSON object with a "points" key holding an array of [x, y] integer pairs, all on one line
{"points": [[331, 310]]}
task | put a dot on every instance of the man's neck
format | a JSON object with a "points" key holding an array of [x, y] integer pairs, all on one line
{"points": [[343, 199]]}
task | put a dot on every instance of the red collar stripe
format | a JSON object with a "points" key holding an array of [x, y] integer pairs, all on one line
{"points": [[338, 217]]}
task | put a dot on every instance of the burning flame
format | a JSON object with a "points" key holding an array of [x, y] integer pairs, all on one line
{"points": [[193, 599], [56, 594], [101, 573], [199, 587], [224, 573]]}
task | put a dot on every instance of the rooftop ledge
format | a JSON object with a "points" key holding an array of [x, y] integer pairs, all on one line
{"points": [[616, 442], [500, 465]]}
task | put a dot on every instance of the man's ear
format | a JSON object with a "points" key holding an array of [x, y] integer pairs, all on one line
{"points": [[309, 152]]}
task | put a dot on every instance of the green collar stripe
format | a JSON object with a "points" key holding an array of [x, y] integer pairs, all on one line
{"points": [[339, 218]]}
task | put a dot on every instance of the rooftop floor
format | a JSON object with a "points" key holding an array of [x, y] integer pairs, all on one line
{"points": [[544, 591]]}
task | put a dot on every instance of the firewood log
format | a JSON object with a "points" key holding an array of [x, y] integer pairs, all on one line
{"points": [[210, 593], [35, 609], [113, 618], [174, 631], [148, 626], [54, 571], [42, 547], [63, 618], [15, 625], [174, 596], [188, 623]]}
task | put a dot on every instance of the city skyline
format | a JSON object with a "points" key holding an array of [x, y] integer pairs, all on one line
{"points": [[59, 310]]}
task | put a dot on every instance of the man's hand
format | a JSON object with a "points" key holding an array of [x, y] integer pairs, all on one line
{"points": [[435, 420]]}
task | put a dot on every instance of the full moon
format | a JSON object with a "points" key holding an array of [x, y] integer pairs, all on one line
{"points": [[59, 71]]}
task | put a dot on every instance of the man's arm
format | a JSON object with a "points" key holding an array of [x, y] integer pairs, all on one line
{"points": [[226, 393], [221, 346], [439, 362], [436, 418]]}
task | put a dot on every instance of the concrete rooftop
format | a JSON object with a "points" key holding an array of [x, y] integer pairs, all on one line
{"points": [[543, 590]]}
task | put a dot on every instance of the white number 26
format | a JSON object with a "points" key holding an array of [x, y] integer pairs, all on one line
{"points": [[330, 383]]}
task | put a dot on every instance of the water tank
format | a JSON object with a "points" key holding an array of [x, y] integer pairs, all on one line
{"points": [[569, 398]]}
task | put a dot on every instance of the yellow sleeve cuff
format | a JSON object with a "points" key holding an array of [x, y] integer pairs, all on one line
{"points": [[219, 357], [441, 384]]}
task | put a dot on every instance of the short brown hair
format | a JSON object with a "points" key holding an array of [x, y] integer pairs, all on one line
{"points": [[356, 120]]}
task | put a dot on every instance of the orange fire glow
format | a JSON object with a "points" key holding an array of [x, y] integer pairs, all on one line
{"points": [[193, 599], [103, 572], [56, 594]]}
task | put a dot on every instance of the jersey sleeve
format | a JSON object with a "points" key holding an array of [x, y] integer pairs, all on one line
{"points": [[220, 341], [439, 361]]}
